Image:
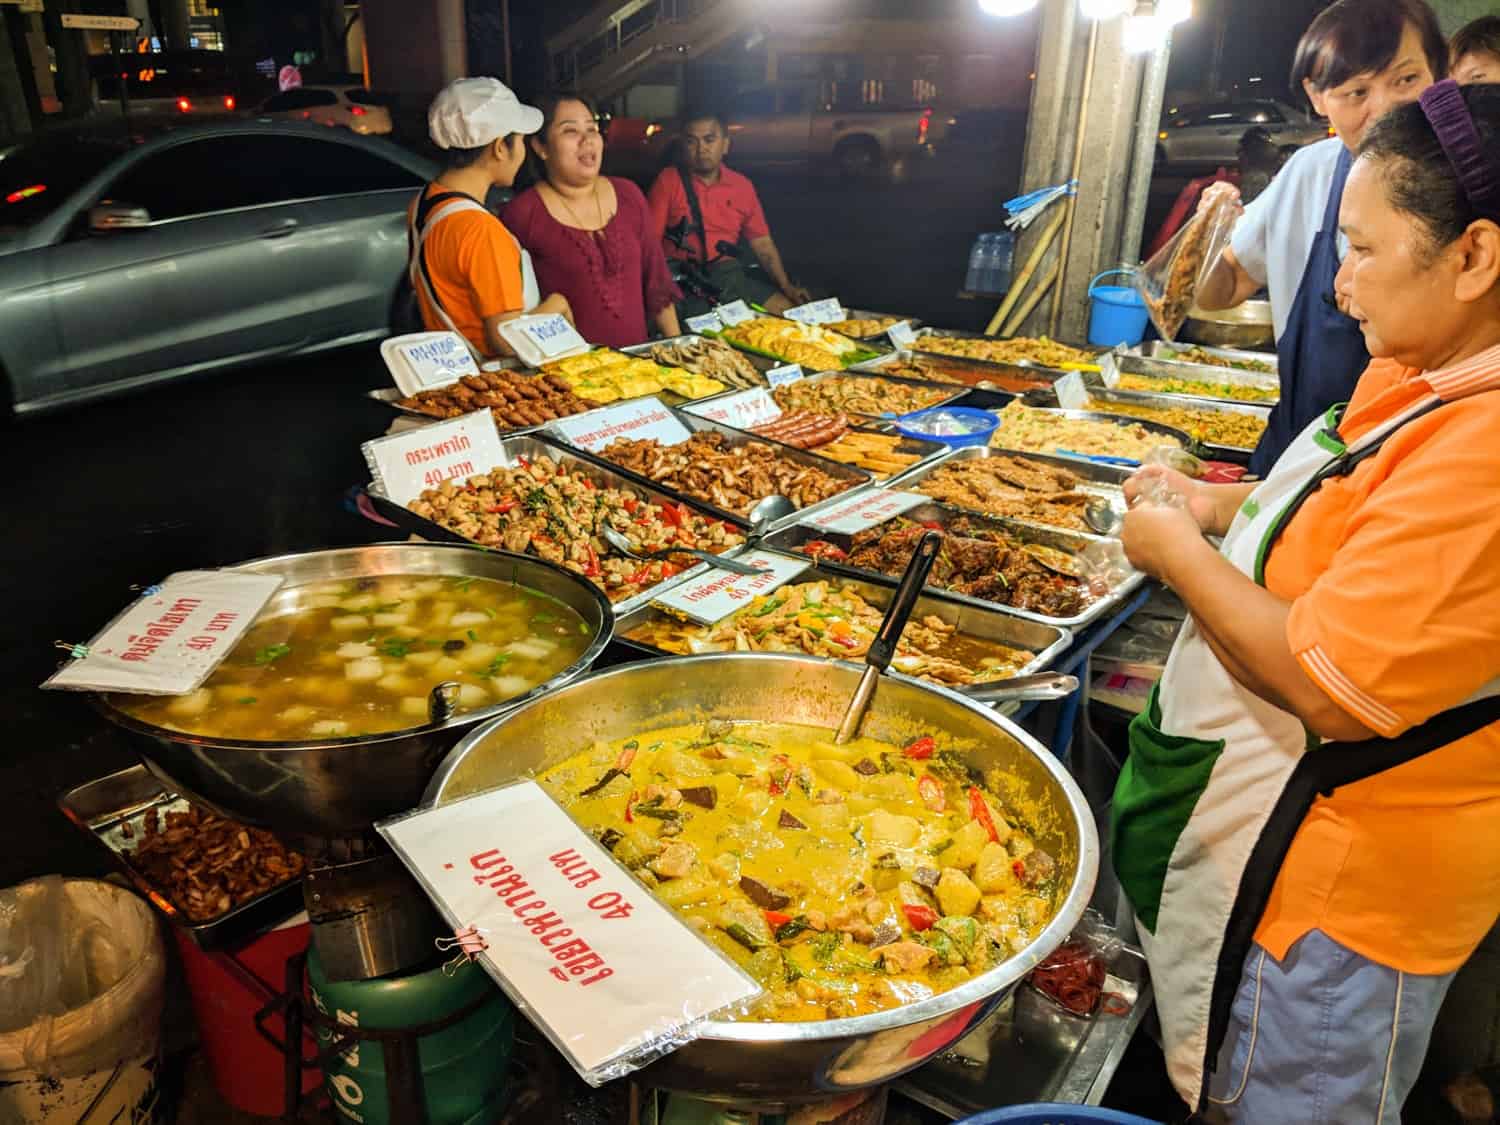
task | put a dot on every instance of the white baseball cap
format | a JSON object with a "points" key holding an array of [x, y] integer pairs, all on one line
{"points": [[471, 112]]}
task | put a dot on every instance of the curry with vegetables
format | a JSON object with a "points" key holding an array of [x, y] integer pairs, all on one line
{"points": [[846, 879]]}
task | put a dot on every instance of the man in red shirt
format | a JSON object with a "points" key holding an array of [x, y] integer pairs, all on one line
{"points": [[730, 213]]}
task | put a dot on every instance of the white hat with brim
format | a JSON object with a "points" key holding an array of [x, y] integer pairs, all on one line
{"points": [[472, 112]]}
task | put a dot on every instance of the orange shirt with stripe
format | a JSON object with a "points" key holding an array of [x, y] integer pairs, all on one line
{"points": [[1393, 573], [475, 266]]}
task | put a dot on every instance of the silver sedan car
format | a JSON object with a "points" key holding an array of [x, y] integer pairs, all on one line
{"points": [[126, 261]]}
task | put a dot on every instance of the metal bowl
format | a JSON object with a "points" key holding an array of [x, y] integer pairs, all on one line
{"points": [[771, 1064], [1248, 326], [337, 787]]}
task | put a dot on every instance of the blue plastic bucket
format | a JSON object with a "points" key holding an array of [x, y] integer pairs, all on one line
{"points": [[1117, 315]]}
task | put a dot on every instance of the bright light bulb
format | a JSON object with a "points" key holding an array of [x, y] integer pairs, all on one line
{"points": [[1174, 11], [1104, 9], [1006, 7], [1142, 33]]}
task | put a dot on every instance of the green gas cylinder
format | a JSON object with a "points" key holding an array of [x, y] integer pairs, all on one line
{"points": [[463, 1066]]}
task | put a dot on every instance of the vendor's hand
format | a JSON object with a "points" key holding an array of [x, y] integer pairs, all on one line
{"points": [[1223, 189], [797, 295], [1148, 481], [1153, 535]]}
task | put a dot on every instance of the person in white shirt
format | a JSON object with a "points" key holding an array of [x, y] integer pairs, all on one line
{"points": [[1356, 61]]}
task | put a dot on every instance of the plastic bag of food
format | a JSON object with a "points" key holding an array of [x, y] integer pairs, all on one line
{"points": [[1072, 976], [1168, 283], [81, 978]]}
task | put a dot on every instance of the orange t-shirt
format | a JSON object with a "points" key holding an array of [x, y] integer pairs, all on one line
{"points": [[1393, 573], [475, 266]]}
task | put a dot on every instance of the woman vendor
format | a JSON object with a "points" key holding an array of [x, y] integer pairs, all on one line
{"points": [[1306, 825], [1358, 59]]}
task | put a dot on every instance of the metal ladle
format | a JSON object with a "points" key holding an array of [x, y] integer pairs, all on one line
{"points": [[1101, 517], [769, 511], [621, 544]]}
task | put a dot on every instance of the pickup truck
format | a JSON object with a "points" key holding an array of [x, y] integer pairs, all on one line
{"points": [[788, 124]]}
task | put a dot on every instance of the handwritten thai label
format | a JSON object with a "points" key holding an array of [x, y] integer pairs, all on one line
{"points": [[605, 969], [716, 594], [406, 464], [736, 312], [167, 643], [1071, 394], [825, 311], [743, 410], [786, 373], [638, 418], [540, 339], [901, 334], [865, 510], [1109, 369], [424, 360], [708, 322]]}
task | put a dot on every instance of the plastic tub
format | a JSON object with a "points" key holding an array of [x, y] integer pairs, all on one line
{"points": [[1054, 1113], [954, 426], [1117, 315]]}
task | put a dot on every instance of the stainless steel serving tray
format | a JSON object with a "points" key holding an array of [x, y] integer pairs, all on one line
{"points": [[1162, 350], [1178, 436], [1176, 369], [954, 392], [391, 396], [858, 478], [788, 539], [532, 446], [644, 352], [1044, 641], [880, 338], [1104, 481], [1235, 453], [108, 808], [991, 376], [961, 334]]}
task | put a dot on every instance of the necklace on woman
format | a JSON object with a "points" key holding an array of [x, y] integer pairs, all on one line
{"points": [[598, 205]]}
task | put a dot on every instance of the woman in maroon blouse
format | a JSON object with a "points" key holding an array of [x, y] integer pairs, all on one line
{"points": [[589, 235]]}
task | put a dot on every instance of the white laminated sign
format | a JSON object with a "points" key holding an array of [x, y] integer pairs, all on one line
{"points": [[171, 638], [716, 594], [865, 510], [1071, 394], [748, 408], [638, 418], [901, 334], [826, 311], [542, 338], [736, 312], [783, 374], [705, 322], [422, 361], [613, 976], [406, 464]]}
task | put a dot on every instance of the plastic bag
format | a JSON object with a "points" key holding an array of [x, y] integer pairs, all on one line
{"points": [[1168, 283], [81, 978], [1072, 976]]}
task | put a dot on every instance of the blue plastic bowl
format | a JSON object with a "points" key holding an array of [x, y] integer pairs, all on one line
{"points": [[975, 425]]}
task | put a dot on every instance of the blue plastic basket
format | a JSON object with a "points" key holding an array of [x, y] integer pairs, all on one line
{"points": [[1054, 1113]]}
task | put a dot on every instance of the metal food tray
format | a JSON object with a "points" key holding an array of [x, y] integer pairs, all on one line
{"points": [[391, 396], [986, 371], [961, 334], [859, 478], [103, 807], [640, 351], [531, 446], [643, 351], [789, 538], [955, 392], [1104, 481], [1202, 372], [1045, 641], [1094, 416], [758, 356], [879, 338], [1235, 453], [1158, 349]]}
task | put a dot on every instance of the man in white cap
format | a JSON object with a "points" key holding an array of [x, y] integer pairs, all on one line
{"points": [[469, 272]]}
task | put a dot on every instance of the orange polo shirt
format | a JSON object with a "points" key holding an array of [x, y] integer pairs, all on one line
{"points": [[1393, 573], [475, 267]]}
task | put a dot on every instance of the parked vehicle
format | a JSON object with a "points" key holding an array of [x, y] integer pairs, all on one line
{"points": [[165, 85], [126, 261], [1206, 135], [349, 107]]}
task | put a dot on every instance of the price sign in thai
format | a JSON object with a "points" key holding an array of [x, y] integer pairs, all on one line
{"points": [[407, 463], [825, 311], [743, 410], [1109, 370], [540, 339], [421, 361], [736, 312], [786, 373], [1071, 394], [638, 418], [169, 640], [901, 334], [865, 510], [708, 322], [606, 970], [716, 594]]}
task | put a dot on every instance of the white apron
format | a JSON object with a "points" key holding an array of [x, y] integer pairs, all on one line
{"points": [[1210, 785], [531, 295]]}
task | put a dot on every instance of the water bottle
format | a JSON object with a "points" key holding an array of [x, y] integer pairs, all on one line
{"points": [[974, 278], [1004, 255]]}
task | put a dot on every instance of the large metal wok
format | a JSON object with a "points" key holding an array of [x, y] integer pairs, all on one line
{"points": [[767, 1064], [337, 787]]}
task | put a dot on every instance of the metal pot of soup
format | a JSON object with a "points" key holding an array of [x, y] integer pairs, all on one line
{"points": [[324, 718], [887, 893]]}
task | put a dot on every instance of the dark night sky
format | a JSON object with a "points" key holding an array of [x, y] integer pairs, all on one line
{"points": [[1260, 40]]}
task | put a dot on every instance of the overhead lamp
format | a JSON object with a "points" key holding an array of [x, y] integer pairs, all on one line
{"points": [[1173, 12], [1145, 31], [1104, 9], [1006, 7]]}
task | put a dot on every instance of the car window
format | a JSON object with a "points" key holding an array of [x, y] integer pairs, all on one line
{"points": [[251, 170], [754, 102], [299, 99], [37, 178]]}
